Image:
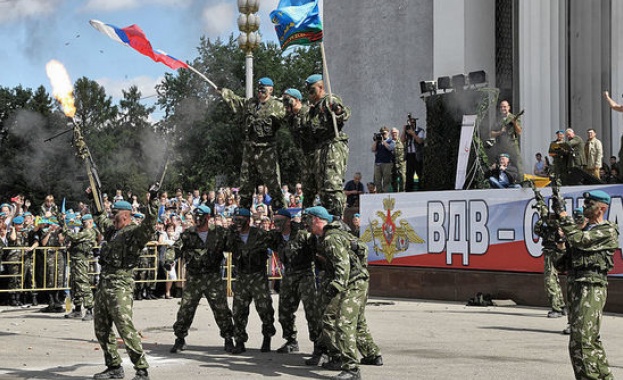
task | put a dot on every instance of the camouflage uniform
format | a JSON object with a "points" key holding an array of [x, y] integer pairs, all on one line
{"points": [[54, 262], [260, 161], [119, 255], [399, 173], [328, 154], [509, 142], [345, 293], [17, 257], [80, 252], [203, 278], [251, 282], [548, 231], [589, 260], [298, 284]]}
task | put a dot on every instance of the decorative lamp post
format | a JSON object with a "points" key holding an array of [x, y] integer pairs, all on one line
{"points": [[249, 39]]}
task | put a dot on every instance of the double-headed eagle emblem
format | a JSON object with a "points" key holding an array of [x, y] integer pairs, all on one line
{"points": [[388, 237]]}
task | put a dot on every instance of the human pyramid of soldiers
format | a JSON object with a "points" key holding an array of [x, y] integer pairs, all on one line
{"points": [[324, 265]]}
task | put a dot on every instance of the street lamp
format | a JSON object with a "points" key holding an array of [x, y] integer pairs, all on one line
{"points": [[249, 39]]}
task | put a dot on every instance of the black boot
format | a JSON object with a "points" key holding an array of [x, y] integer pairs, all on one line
{"points": [[348, 375], [239, 348], [317, 357], [58, 303], [179, 345], [334, 364], [13, 299], [77, 313], [290, 346], [35, 302], [229, 344], [110, 373], [372, 360], [265, 344], [138, 295], [50, 307], [141, 374]]}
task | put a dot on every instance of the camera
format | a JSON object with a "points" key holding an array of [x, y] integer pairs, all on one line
{"points": [[378, 136], [288, 101]]}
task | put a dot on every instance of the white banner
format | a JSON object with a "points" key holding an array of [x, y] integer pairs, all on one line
{"points": [[465, 146]]}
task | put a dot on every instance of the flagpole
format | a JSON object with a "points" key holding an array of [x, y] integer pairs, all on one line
{"points": [[327, 80], [203, 77]]}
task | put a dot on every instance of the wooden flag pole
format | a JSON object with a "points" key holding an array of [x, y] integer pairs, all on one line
{"points": [[327, 81], [202, 76]]}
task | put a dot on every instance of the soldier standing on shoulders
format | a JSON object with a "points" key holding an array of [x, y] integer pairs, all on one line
{"points": [[201, 248], [590, 258], [114, 297], [329, 147], [249, 247], [261, 118], [80, 251]]}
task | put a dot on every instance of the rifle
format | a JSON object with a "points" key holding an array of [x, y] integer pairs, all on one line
{"points": [[83, 152], [558, 202], [540, 201]]}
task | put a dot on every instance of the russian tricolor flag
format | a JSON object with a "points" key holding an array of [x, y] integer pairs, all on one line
{"points": [[134, 37]]}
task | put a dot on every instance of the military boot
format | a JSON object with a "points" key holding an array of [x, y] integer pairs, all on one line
{"points": [[180, 345], [372, 360], [348, 375], [35, 302], [50, 307], [229, 344], [316, 358], [334, 364], [110, 373], [13, 300], [265, 344], [88, 315], [141, 374], [77, 313], [239, 348], [290, 346]]}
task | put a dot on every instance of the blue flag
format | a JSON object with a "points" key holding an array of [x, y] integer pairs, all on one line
{"points": [[297, 22]]}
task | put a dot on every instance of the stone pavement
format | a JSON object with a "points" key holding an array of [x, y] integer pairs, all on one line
{"points": [[419, 339]]}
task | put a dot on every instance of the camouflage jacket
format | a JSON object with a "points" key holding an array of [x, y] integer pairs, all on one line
{"points": [[548, 231], [343, 265], [399, 154], [81, 243], [296, 254], [591, 249], [121, 250], [317, 122], [260, 121], [201, 257], [252, 256]]}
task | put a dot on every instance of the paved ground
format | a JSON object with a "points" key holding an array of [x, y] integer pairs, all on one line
{"points": [[419, 339]]}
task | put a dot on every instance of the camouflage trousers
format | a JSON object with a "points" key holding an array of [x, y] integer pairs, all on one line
{"points": [[325, 176], [16, 258], [55, 261], [586, 305], [399, 177], [339, 324], [552, 283], [260, 165], [297, 287], [80, 281], [365, 342], [252, 287], [212, 286], [113, 304]]}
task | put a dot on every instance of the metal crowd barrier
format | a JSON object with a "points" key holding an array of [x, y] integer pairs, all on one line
{"points": [[24, 270]]}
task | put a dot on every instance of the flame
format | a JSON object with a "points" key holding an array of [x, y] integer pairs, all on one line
{"points": [[62, 89]]}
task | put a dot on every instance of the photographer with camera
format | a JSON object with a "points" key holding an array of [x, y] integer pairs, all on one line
{"points": [[503, 175], [413, 139], [383, 147]]}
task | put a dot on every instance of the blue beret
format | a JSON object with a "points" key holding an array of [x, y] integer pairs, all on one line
{"points": [[18, 220], [293, 92], [5, 205], [313, 79], [560, 131], [239, 211], [86, 217], [203, 210], [598, 195], [319, 212], [505, 155], [122, 205], [284, 212], [138, 215], [266, 81], [27, 213], [356, 216]]}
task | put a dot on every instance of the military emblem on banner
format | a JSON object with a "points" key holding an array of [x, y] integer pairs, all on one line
{"points": [[390, 235]]}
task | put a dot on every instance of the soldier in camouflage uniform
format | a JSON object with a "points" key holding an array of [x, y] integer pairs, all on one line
{"points": [[399, 171], [119, 255], [326, 163], [249, 247], [345, 292], [261, 118], [54, 261], [201, 248], [547, 228], [298, 283], [18, 239], [589, 258], [80, 252]]}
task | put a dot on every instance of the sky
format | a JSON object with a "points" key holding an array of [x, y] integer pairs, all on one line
{"points": [[33, 32]]}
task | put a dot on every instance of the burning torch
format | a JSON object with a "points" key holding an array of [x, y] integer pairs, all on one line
{"points": [[62, 90]]}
